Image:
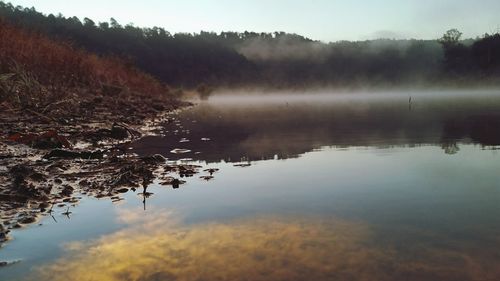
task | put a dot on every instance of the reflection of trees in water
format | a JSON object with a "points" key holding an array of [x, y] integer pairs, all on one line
{"points": [[286, 131], [450, 147], [480, 129]]}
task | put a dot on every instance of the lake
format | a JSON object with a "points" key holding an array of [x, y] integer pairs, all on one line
{"points": [[322, 186]]}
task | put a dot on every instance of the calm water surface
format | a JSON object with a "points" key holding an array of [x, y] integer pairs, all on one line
{"points": [[363, 187]]}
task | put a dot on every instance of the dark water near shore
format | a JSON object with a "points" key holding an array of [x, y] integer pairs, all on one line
{"points": [[363, 187]]}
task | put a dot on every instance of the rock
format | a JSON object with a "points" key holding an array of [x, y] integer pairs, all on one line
{"points": [[67, 191], [68, 154], [38, 177], [27, 220], [3, 233], [154, 159], [7, 263], [56, 168], [207, 178], [211, 171], [21, 170], [43, 205], [185, 172], [19, 173], [84, 182], [119, 132], [176, 182]]}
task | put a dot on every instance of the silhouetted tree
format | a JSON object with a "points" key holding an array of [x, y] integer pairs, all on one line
{"points": [[451, 38], [456, 54]]}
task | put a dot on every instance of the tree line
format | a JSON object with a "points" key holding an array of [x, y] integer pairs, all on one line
{"points": [[276, 59]]}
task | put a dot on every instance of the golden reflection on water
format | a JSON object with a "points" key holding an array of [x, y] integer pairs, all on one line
{"points": [[262, 248]]}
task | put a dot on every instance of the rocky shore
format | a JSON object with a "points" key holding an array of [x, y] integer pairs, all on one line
{"points": [[78, 147]]}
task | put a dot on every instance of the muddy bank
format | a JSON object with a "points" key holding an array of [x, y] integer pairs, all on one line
{"points": [[49, 158]]}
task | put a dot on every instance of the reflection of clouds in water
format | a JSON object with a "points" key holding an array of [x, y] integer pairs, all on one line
{"points": [[154, 218], [267, 248]]}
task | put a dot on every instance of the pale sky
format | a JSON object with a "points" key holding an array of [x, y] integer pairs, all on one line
{"points": [[326, 20]]}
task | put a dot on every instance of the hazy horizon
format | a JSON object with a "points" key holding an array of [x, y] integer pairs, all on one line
{"points": [[323, 20]]}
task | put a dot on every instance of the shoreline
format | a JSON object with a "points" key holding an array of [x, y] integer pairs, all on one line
{"points": [[78, 148]]}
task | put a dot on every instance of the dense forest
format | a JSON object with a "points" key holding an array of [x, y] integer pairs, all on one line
{"points": [[273, 59]]}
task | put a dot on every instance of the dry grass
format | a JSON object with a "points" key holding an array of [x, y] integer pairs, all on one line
{"points": [[35, 69]]}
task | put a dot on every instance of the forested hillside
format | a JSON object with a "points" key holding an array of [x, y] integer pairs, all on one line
{"points": [[273, 59]]}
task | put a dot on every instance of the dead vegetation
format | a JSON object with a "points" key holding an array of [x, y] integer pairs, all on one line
{"points": [[37, 72], [66, 119]]}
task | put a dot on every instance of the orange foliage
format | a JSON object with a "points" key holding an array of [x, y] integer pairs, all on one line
{"points": [[61, 65]]}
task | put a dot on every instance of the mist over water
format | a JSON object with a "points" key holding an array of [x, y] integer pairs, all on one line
{"points": [[329, 184], [267, 125], [319, 95]]}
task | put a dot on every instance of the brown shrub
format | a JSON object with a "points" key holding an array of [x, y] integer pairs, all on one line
{"points": [[52, 68]]}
